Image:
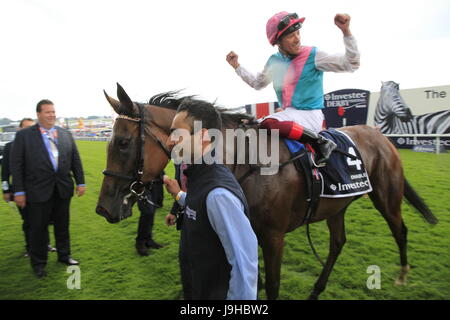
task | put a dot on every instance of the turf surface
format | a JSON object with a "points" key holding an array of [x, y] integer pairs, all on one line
{"points": [[111, 269]]}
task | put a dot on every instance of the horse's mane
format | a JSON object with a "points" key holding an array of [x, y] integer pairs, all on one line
{"points": [[169, 100], [172, 100]]}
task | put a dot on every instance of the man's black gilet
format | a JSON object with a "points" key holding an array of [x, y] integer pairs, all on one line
{"points": [[200, 247]]}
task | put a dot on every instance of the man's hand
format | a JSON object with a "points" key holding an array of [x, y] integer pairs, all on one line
{"points": [[7, 197], [170, 219], [342, 21], [172, 186], [80, 190], [232, 59], [20, 201]]}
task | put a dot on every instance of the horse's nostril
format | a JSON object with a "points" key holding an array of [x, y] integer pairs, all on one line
{"points": [[104, 213], [101, 211]]}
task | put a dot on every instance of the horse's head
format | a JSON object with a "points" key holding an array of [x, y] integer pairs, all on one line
{"points": [[136, 155]]}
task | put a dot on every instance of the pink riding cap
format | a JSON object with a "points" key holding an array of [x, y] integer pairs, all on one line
{"points": [[272, 26]]}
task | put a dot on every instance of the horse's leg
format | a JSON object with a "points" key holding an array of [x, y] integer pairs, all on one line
{"points": [[400, 233], [337, 241], [272, 244], [390, 208], [386, 175]]}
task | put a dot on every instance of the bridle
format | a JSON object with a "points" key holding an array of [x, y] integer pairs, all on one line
{"points": [[136, 180]]}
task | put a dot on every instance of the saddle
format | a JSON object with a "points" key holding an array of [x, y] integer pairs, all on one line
{"points": [[344, 174]]}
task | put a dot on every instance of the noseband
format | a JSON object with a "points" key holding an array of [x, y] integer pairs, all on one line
{"points": [[136, 180]]}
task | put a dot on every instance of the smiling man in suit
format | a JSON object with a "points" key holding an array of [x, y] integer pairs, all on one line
{"points": [[43, 158]]}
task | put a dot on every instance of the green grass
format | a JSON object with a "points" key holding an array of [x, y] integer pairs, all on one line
{"points": [[111, 268]]}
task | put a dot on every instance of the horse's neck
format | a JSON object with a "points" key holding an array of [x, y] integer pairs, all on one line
{"points": [[253, 152]]}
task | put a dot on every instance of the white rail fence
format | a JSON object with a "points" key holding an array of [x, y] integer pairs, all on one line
{"points": [[91, 138]]}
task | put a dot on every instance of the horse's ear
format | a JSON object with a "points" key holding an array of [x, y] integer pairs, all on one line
{"points": [[113, 102], [126, 105]]}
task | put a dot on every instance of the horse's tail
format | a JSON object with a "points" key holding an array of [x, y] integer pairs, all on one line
{"points": [[414, 199]]}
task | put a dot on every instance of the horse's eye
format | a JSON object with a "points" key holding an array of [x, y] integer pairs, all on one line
{"points": [[123, 143]]}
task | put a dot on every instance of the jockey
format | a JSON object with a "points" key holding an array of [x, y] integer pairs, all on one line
{"points": [[297, 75]]}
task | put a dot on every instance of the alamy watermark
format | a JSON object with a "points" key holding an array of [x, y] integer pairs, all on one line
{"points": [[249, 146], [74, 280], [374, 281]]}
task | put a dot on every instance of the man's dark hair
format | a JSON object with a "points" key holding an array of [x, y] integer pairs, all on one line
{"points": [[23, 120], [203, 111], [41, 103]]}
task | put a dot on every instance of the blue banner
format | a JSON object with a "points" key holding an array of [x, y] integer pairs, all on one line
{"points": [[346, 107]]}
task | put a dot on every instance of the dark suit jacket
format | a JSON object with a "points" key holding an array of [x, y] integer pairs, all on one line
{"points": [[32, 169]]}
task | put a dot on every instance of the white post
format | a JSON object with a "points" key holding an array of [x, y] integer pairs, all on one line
{"points": [[438, 146]]}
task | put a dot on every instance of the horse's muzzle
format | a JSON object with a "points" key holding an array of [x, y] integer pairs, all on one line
{"points": [[104, 213]]}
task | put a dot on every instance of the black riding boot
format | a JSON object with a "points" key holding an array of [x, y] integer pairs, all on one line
{"points": [[323, 146]]}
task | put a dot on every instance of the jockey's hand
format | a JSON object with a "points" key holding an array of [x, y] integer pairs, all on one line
{"points": [[232, 59], [170, 219], [342, 21]]}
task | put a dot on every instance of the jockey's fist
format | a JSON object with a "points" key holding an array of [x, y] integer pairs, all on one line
{"points": [[232, 59], [342, 21]]}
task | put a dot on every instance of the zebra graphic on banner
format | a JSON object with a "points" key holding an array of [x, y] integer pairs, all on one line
{"points": [[393, 116]]}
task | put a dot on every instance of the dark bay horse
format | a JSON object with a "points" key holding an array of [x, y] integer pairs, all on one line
{"points": [[277, 203]]}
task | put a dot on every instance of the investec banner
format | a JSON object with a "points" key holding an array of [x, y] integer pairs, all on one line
{"points": [[346, 107], [426, 144]]}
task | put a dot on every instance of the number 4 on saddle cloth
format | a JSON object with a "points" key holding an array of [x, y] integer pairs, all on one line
{"points": [[341, 177]]}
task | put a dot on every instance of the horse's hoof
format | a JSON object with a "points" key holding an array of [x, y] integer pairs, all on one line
{"points": [[401, 280]]}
